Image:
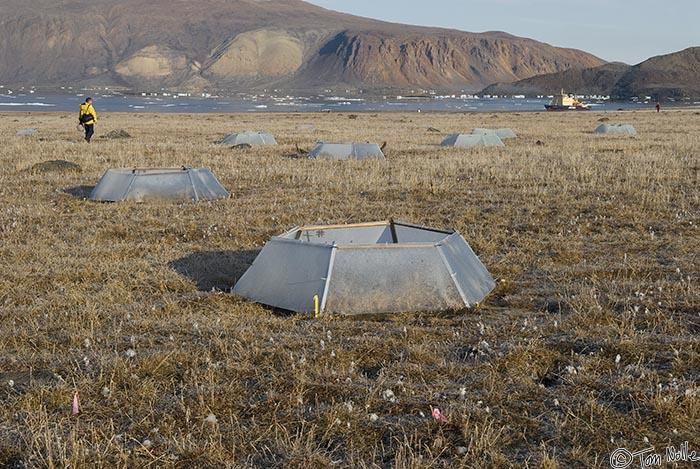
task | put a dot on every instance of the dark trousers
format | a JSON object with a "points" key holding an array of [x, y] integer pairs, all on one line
{"points": [[89, 130]]}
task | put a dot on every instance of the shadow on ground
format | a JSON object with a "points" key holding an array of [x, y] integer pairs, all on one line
{"points": [[79, 192], [218, 270]]}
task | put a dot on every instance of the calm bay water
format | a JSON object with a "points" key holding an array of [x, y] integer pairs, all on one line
{"points": [[186, 104]]}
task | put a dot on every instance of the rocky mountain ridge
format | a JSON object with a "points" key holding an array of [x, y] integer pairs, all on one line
{"points": [[253, 44]]}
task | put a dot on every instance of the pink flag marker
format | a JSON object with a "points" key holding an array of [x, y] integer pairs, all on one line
{"points": [[438, 416], [76, 403]]}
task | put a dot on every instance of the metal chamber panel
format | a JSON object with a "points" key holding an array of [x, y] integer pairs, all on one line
{"points": [[155, 184], [386, 279], [343, 151], [415, 234], [367, 150], [206, 184], [287, 274], [385, 232], [362, 235], [470, 275], [112, 186]]}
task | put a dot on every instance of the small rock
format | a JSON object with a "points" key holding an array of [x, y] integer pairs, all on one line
{"points": [[22, 380], [388, 395]]}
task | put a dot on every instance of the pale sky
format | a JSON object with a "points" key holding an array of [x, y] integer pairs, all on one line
{"points": [[615, 30]]}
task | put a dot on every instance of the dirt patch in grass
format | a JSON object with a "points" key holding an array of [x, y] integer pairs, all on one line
{"points": [[117, 134], [54, 166]]}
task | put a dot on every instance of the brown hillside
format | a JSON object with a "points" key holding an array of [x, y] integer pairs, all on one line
{"points": [[249, 43], [665, 76], [435, 59], [595, 80]]}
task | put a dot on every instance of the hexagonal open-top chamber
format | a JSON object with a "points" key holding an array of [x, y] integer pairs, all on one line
{"points": [[472, 140], [158, 184], [345, 151], [249, 137], [385, 266], [616, 129]]}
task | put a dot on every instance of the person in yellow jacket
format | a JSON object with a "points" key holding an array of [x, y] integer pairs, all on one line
{"points": [[87, 118]]}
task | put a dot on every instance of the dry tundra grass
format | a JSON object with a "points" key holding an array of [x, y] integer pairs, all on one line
{"points": [[588, 344]]}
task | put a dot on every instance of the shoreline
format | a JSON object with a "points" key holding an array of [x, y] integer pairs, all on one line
{"points": [[276, 105], [10, 112]]}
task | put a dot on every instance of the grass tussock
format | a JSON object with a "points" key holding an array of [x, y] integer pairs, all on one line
{"points": [[589, 342]]}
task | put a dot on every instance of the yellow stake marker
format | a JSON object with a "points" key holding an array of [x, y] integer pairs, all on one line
{"points": [[316, 306]]}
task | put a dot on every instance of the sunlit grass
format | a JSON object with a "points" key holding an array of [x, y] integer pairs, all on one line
{"points": [[589, 342]]}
